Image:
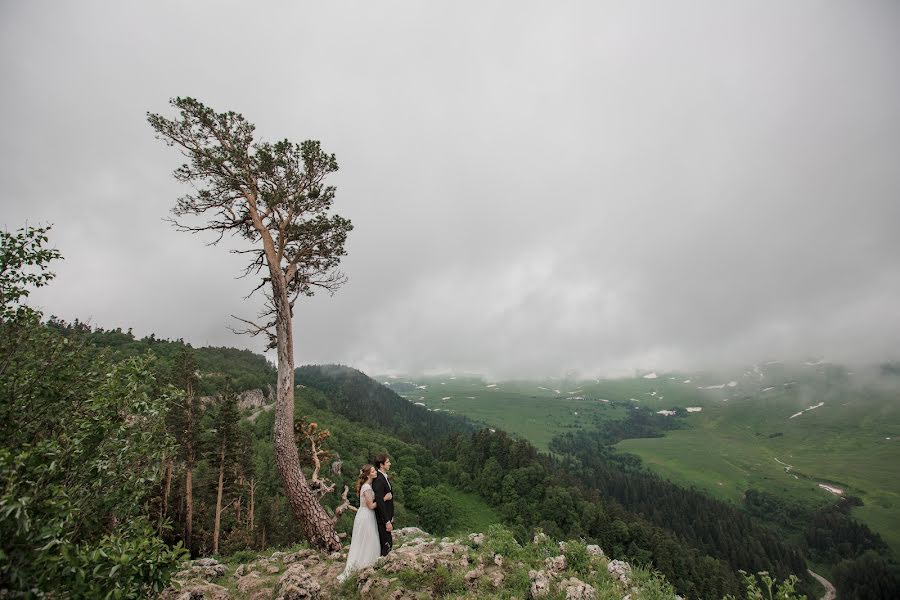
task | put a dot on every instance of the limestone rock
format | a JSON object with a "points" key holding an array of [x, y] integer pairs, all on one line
{"points": [[540, 584], [496, 578], [556, 564], [408, 532], [471, 578], [477, 539], [620, 570], [203, 568], [297, 584], [251, 399], [595, 550], [249, 583], [540, 537], [196, 591], [298, 556], [576, 589]]}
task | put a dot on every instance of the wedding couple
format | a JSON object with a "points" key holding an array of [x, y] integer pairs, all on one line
{"points": [[373, 524]]}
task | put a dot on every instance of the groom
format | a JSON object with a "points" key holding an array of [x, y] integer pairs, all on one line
{"points": [[384, 500]]}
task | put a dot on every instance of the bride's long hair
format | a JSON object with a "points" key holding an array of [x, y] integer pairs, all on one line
{"points": [[363, 476]]}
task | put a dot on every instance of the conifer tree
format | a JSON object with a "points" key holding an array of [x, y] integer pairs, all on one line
{"points": [[274, 196], [184, 423], [226, 438]]}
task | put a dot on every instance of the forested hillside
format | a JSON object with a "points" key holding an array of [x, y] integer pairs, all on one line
{"points": [[245, 370], [532, 490]]}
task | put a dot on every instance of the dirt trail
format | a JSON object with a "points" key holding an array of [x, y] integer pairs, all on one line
{"points": [[830, 592]]}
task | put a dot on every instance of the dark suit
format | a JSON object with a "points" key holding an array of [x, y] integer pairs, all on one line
{"points": [[384, 512]]}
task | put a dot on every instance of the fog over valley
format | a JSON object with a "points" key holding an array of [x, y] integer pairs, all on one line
{"points": [[599, 188]]}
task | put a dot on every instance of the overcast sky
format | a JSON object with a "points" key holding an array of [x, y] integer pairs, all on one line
{"points": [[535, 187]]}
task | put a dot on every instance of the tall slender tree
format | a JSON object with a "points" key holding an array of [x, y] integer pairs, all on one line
{"points": [[184, 422], [227, 419], [274, 196]]}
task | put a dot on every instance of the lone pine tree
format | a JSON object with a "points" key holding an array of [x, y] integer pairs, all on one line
{"points": [[274, 196]]}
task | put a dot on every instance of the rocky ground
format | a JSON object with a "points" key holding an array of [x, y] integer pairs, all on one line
{"points": [[488, 565]]}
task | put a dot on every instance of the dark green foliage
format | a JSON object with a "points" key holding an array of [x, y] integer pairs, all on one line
{"points": [[763, 587], [244, 370], [723, 531], [869, 576], [864, 565], [832, 534], [24, 263], [352, 394], [638, 517], [577, 557], [82, 443], [436, 508]]}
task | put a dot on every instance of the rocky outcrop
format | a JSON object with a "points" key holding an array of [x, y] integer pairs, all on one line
{"points": [[540, 584], [196, 591], [420, 566], [576, 589], [252, 399], [202, 569], [555, 565], [297, 584], [621, 570]]}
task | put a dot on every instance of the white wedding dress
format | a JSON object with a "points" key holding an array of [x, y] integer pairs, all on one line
{"points": [[365, 547]]}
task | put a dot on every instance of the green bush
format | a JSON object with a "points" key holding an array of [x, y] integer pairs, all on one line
{"points": [[444, 582], [577, 557], [437, 510], [763, 587], [81, 445], [499, 540]]}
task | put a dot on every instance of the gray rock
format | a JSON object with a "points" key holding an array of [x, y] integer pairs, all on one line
{"points": [[620, 570], [556, 564], [196, 591], [540, 584], [576, 589], [297, 584]]}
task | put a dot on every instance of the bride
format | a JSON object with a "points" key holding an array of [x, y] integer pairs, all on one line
{"points": [[365, 548]]}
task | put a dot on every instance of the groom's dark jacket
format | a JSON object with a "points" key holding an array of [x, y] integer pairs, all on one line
{"points": [[385, 508]]}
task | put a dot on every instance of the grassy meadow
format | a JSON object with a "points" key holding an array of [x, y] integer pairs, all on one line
{"points": [[743, 437]]}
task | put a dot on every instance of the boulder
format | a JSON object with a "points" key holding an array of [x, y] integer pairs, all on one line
{"points": [[594, 550], [203, 568], [471, 578], [196, 591], [496, 578], [540, 584], [556, 564], [476, 539], [620, 570], [576, 589], [298, 556], [252, 399], [297, 584], [249, 583]]}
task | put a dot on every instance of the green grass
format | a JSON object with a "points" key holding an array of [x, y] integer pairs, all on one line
{"points": [[519, 408], [733, 443], [475, 515], [734, 446]]}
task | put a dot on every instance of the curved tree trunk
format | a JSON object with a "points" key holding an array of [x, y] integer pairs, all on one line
{"points": [[318, 526]]}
